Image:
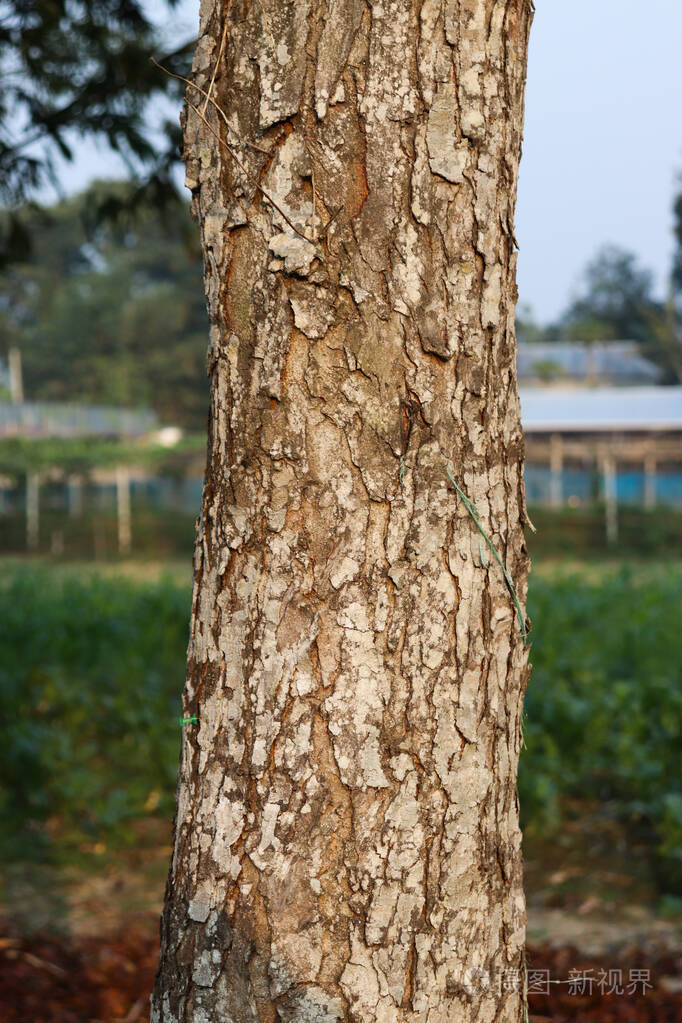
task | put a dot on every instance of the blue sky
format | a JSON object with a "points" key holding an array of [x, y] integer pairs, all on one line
{"points": [[603, 139]]}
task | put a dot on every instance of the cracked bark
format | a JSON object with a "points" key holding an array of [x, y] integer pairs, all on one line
{"points": [[346, 839]]}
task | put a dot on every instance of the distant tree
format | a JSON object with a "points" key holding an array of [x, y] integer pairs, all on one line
{"points": [[114, 314], [79, 68], [548, 370], [529, 331], [677, 255], [616, 300]]}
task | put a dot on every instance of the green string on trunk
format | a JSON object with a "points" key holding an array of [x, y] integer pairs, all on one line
{"points": [[471, 508]]}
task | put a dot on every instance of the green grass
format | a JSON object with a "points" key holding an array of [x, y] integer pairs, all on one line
{"points": [[91, 675], [160, 533], [603, 711], [92, 666], [581, 533]]}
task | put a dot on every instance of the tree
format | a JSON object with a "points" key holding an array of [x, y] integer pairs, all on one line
{"points": [[73, 68], [113, 313], [616, 301], [346, 839], [529, 331]]}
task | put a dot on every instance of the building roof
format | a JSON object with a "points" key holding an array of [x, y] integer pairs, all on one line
{"points": [[51, 419], [635, 409], [606, 361]]}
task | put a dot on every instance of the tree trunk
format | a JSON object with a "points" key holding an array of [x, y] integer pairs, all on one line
{"points": [[346, 841]]}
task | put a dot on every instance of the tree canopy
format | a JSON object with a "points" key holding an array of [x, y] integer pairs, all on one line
{"points": [[110, 313], [80, 68], [616, 300]]}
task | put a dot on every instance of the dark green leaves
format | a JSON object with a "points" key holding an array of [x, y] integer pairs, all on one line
{"points": [[111, 313], [603, 710], [80, 68]]}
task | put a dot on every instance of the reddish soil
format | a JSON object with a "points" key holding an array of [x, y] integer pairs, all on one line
{"points": [[108, 980]]}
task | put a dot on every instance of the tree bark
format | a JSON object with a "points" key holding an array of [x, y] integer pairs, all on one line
{"points": [[346, 840]]}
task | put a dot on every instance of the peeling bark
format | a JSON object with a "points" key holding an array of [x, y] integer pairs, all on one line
{"points": [[346, 840]]}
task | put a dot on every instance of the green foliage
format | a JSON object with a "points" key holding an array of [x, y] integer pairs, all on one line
{"points": [[547, 369], [581, 532], [91, 674], [157, 532], [603, 710], [677, 255], [80, 68], [113, 314], [615, 302], [81, 454]]}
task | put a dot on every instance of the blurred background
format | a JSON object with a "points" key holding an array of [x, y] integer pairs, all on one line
{"points": [[103, 400]]}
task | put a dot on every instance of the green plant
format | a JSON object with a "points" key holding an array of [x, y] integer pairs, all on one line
{"points": [[91, 677], [603, 710]]}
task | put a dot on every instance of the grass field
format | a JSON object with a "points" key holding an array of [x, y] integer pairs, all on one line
{"points": [[92, 668]]}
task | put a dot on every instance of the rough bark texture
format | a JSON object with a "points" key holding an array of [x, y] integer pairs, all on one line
{"points": [[347, 844]]}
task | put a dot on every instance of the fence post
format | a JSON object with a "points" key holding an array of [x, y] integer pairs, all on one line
{"points": [[610, 497], [16, 386], [556, 466], [123, 508], [75, 492], [32, 510], [649, 481]]}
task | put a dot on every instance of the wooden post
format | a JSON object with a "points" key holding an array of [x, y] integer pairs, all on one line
{"points": [[32, 510], [16, 386], [649, 480], [75, 496], [556, 467], [610, 497], [123, 508]]}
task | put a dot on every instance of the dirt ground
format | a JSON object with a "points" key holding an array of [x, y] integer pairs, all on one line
{"points": [[107, 979], [79, 939], [82, 947]]}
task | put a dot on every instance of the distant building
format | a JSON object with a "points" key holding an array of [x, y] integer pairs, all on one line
{"points": [[562, 363], [628, 411], [625, 443], [35, 420], [53, 419]]}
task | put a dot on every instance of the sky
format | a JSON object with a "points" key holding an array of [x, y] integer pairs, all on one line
{"points": [[602, 152]]}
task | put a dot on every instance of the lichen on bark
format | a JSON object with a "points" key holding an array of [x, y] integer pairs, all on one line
{"points": [[346, 839]]}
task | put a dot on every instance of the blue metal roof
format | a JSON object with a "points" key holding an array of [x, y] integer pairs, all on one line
{"points": [[622, 361], [52, 419], [600, 408]]}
